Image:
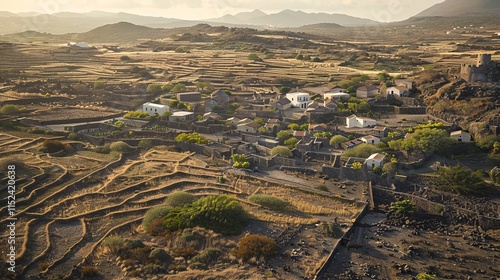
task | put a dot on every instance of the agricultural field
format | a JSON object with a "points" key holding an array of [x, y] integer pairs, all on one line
{"points": [[66, 206]]}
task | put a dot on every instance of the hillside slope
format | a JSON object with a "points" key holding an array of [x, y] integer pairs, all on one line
{"points": [[454, 8]]}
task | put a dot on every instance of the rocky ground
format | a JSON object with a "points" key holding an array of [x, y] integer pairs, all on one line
{"points": [[402, 248]]}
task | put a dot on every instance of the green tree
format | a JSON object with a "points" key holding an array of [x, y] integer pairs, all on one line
{"points": [[384, 77], [179, 88], [167, 87], [154, 88], [294, 126], [424, 141], [460, 180], [281, 151], [390, 168], [284, 135], [404, 207], [362, 151], [291, 143], [259, 121], [337, 140]]}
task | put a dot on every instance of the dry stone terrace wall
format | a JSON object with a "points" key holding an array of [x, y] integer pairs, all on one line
{"points": [[452, 213]]}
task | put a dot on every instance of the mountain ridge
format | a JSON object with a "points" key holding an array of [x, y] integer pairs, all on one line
{"points": [[459, 8]]}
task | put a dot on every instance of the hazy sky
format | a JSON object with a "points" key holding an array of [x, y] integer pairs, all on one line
{"points": [[380, 10]]}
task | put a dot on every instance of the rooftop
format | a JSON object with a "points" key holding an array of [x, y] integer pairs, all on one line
{"points": [[377, 157], [154, 105], [182, 113]]}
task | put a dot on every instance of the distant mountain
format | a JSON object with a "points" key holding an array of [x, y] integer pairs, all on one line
{"points": [[321, 26], [67, 22], [456, 8], [289, 18], [121, 32]]}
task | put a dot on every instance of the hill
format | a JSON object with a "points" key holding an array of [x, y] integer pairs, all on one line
{"points": [[289, 18], [456, 8]]}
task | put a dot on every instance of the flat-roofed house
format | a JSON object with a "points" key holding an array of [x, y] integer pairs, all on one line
{"points": [[153, 108], [354, 121]]}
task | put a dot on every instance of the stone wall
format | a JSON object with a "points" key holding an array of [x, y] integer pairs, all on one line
{"points": [[346, 173]]}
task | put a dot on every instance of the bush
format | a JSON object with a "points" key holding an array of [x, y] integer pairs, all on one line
{"points": [[99, 85], [256, 246], [198, 266], [219, 213], [322, 187], [137, 115], [9, 109], [253, 56], [161, 255], [43, 266], [113, 243], [102, 149], [153, 214], [426, 276], [37, 130], [281, 151], [145, 144], [185, 252], [53, 146], [330, 230], [291, 143], [362, 151], [154, 88], [179, 199], [191, 138], [460, 180], [208, 256], [270, 202], [120, 147], [74, 136], [153, 269], [89, 271], [337, 140], [404, 207]]}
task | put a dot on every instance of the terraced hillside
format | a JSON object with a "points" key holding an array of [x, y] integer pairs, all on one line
{"points": [[67, 205]]}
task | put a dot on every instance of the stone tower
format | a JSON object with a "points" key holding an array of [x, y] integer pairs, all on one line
{"points": [[483, 59]]}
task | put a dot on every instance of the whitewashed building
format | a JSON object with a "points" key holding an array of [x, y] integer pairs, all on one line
{"points": [[370, 139], [400, 91], [354, 121], [375, 160], [299, 99], [461, 136], [153, 108]]}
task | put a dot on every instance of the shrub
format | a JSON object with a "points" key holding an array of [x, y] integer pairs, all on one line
{"points": [[281, 151], [404, 207], [198, 266], [256, 246], [99, 85], [185, 252], [336, 140], [191, 138], [253, 56], [179, 199], [291, 143], [208, 256], [131, 244], [89, 271], [43, 266], [426, 276], [120, 147], [154, 88], [102, 149], [153, 269], [153, 214], [460, 180], [74, 136], [137, 115], [330, 230], [219, 213], [270, 202], [161, 255], [37, 130], [357, 165], [156, 227], [53, 146], [113, 243], [284, 135], [362, 151], [322, 187], [9, 109]]}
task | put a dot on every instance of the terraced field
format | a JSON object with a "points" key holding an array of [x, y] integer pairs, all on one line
{"points": [[67, 205]]}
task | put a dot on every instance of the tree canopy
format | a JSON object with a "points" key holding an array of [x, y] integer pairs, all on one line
{"points": [[283, 151], [424, 140]]}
